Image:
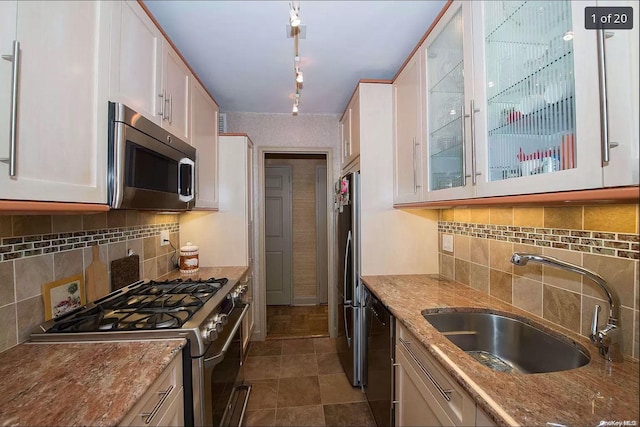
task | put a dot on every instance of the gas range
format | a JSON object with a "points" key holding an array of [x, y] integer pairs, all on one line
{"points": [[180, 308]]}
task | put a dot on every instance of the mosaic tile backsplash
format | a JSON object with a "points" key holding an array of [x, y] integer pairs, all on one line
{"points": [[621, 245], [39, 249], [603, 239]]}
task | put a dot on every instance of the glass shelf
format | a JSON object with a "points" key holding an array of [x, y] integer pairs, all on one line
{"points": [[449, 151], [451, 82], [513, 92], [542, 121], [448, 128]]}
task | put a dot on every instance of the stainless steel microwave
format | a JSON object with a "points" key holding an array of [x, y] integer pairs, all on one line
{"points": [[149, 168]]}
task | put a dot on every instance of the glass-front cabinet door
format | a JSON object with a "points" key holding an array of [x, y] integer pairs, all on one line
{"points": [[448, 60], [536, 120]]}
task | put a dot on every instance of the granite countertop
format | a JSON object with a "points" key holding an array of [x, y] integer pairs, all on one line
{"points": [[599, 391], [232, 273], [82, 384]]}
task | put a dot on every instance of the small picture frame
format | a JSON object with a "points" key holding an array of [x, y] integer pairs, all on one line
{"points": [[62, 296]]}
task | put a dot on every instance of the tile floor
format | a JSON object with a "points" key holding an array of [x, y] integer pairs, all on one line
{"points": [[300, 382], [297, 321]]}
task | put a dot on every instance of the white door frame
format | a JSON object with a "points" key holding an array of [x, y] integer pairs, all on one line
{"points": [[262, 290]]}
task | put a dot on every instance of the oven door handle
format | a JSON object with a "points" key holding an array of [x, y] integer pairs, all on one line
{"points": [[214, 360]]}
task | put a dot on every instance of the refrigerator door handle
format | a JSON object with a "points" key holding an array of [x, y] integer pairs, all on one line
{"points": [[346, 325], [344, 273]]}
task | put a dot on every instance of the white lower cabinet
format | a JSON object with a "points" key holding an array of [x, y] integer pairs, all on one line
{"points": [[163, 403], [425, 394]]}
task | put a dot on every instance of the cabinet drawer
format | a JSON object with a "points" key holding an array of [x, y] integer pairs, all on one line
{"points": [[154, 405], [456, 403]]}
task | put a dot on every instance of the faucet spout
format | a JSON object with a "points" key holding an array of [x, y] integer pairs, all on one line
{"points": [[606, 339]]}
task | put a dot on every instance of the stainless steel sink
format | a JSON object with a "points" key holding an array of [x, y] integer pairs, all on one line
{"points": [[506, 344]]}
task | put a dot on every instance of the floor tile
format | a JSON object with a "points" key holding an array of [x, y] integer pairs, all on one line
{"points": [[301, 391], [325, 345], [265, 348], [260, 418], [262, 367], [328, 363], [348, 414], [300, 416], [264, 394], [335, 388], [298, 346], [296, 365], [297, 321]]}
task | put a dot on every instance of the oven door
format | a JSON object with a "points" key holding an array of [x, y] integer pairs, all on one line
{"points": [[225, 393]]}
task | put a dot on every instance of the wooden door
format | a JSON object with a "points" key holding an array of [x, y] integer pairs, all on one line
{"points": [[278, 234]]}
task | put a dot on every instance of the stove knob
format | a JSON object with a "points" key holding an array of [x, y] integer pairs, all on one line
{"points": [[209, 334], [223, 318]]}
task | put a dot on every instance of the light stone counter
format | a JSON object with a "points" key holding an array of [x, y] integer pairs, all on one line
{"points": [[231, 273], [599, 391], [81, 384]]}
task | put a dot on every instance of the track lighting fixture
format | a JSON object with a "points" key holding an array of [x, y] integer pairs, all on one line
{"points": [[294, 14], [294, 20]]}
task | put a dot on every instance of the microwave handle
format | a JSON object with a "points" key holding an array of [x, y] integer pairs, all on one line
{"points": [[186, 197]]}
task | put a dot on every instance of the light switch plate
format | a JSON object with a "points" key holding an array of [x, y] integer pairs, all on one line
{"points": [[164, 237], [447, 242]]}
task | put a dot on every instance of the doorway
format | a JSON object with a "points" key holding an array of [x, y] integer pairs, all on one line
{"points": [[295, 245]]}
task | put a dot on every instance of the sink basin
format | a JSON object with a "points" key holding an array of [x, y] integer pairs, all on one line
{"points": [[506, 344]]}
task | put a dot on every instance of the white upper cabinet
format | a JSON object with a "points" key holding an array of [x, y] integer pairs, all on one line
{"points": [[204, 137], [175, 92], [621, 54], [448, 60], [350, 131], [407, 131], [147, 74], [537, 128], [59, 149], [136, 60], [513, 95]]}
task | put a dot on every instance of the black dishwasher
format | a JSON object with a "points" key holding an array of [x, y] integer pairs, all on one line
{"points": [[378, 384]]}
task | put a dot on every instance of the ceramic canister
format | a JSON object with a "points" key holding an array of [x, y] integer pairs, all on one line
{"points": [[189, 259]]}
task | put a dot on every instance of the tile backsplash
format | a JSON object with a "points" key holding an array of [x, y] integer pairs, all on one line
{"points": [[38, 249], [603, 239]]}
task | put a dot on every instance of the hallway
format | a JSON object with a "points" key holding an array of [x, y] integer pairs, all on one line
{"points": [[300, 382], [285, 321]]}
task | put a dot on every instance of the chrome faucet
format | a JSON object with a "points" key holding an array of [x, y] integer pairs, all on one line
{"points": [[607, 339]]}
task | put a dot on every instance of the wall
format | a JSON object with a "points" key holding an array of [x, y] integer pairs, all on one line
{"points": [[601, 238], [303, 172], [394, 241], [284, 130], [39, 249]]}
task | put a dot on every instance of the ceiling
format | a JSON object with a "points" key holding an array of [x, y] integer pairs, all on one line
{"points": [[241, 52]]}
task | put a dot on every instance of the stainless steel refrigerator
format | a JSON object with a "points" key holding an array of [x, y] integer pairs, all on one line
{"points": [[349, 306]]}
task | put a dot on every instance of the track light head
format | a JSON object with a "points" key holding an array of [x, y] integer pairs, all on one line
{"points": [[294, 14]]}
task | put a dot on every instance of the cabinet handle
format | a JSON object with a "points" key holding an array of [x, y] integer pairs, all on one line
{"points": [[13, 123], [162, 96], [163, 396], [474, 172], [464, 116], [445, 393], [170, 109], [606, 145], [415, 179]]}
